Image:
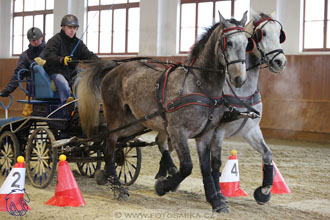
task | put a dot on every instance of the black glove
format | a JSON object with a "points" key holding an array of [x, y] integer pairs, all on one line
{"points": [[4, 93]]}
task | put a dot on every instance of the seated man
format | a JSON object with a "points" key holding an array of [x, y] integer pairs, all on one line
{"points": [[36, 46], [57, 54]]}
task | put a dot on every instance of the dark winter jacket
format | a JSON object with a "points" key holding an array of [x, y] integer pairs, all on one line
{"points": [[61, 45], [24, 62]]}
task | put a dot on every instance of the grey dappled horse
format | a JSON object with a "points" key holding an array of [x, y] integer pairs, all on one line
{"points": [[268, 35], [136, 90]]}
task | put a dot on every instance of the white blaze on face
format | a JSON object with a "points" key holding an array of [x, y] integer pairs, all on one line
{"points": [[236, 50]]}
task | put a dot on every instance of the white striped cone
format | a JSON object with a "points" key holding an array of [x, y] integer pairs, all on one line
{"points": [[229, 180], [12, 190]]}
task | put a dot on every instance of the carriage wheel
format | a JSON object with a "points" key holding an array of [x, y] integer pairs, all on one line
{"points": [[41, 158], [128, 164], [89, 168], [9, 151]]}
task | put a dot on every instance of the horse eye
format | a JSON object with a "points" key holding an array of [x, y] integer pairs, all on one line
{"points": [[264, 33], [229, 43]]}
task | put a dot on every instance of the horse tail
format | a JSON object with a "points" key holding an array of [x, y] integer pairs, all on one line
{"points": [[89, 98]]}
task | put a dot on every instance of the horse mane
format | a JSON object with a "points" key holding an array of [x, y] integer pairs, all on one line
{"points": [[199, 45]]}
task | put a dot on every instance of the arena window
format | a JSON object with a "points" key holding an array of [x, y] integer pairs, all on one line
{"points": [[196, 15], [115, 28], [27, 14], [316, 35]]}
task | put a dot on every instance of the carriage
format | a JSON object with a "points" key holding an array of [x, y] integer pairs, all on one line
{"points": [[52, 130]]}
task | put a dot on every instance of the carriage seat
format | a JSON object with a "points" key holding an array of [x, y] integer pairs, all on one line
{"points": [[42, 84]]}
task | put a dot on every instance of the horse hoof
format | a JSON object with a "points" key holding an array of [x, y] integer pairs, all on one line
{"points": [[221, 210], [260, 197], [120, 193], [220, 207], [100, 177], [160, 186], [123, 195], [175, 189]]}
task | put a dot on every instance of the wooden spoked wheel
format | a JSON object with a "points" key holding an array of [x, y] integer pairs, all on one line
{"points": [[89, 168], [41, 158], [9, 151], [128, 164]]}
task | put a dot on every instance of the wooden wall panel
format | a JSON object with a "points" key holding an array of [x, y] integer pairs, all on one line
{"points": [[7, 67], [296, 101]]}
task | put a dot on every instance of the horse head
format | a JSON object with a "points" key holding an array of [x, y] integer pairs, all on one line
{"points": [[231, 49], [268, 35]]}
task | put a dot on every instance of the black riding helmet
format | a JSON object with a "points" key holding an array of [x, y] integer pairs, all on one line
{"points": [[34, 33], [70, 20]]}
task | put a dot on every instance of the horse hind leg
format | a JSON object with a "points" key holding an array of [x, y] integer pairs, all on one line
{"points": [[166, 164], [255, 138], [171, 183], [109, 173], [210, 186]]}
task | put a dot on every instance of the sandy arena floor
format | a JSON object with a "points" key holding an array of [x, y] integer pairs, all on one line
{"points": [[304, 166]]}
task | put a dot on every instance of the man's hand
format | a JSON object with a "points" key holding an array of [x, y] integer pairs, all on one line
{"points": [[4, 93], [67, 60], [40, 61]]}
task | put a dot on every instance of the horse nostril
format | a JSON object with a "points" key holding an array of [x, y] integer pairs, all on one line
{"points": [[238, 81], [278, 62]]}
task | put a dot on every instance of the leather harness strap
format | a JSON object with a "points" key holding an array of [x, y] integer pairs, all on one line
{"points": [[184, 100], [249, 100]]}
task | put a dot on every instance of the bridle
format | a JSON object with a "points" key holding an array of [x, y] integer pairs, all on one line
{"points": [[258, 35], [223, 42]]}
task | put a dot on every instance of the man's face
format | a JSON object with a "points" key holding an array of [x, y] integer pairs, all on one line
{"points": [[70, 30], [36, 43]]}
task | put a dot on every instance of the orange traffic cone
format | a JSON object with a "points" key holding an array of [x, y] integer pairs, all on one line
{"points": [[229, 180], [279, 185], [12, 190], [67, 192]]}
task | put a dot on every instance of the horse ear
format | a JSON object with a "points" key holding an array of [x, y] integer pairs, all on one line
{"points": [[255, 16], [273, 14], [249, 26], [223, 20], [244, 18]]}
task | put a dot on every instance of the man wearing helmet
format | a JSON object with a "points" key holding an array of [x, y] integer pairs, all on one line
{"points": [[36, 46], [58, 54]]}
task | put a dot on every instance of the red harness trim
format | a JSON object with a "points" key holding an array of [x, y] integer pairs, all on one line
{"points": [[219, 100], [232, 29], [262, 20], [165, 82]]}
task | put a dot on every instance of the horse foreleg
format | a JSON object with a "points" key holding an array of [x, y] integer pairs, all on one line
{"points": [[210, 186], [255, 139], [166, 163], [216, 147], [171, 183]]}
